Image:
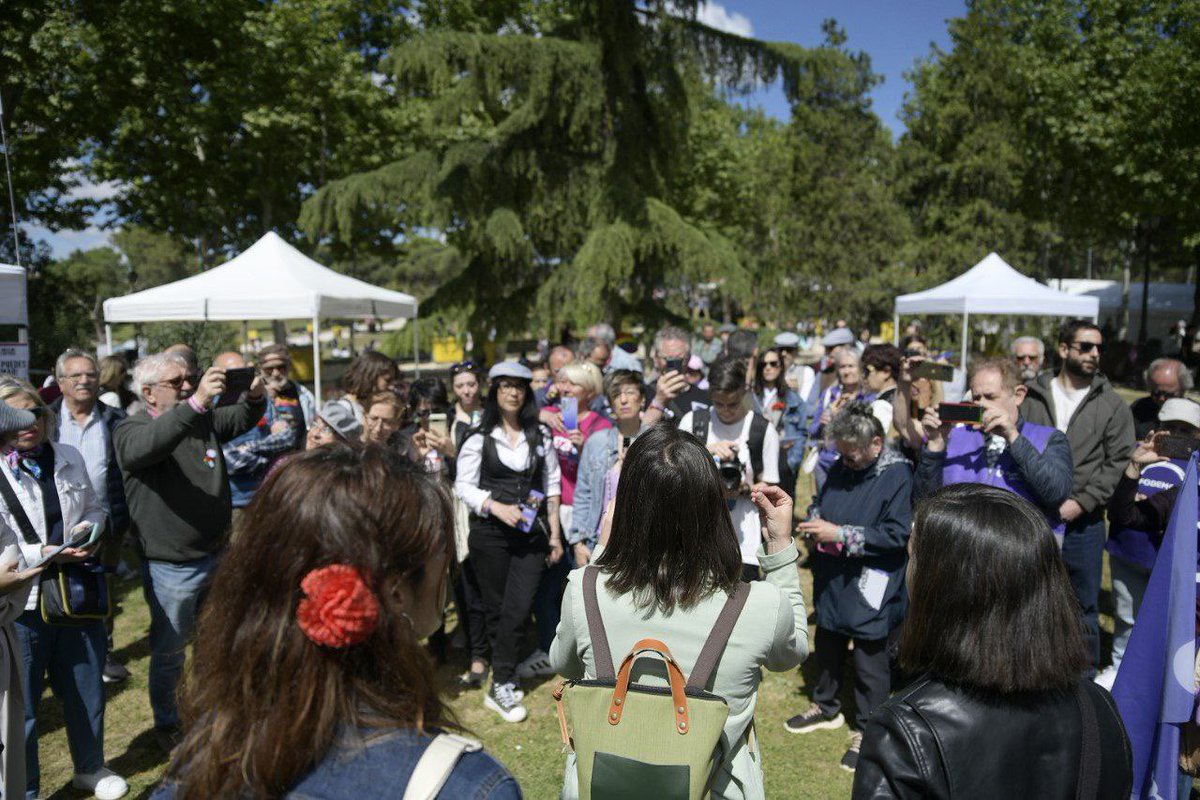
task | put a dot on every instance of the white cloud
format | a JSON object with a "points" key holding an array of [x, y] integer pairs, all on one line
{"points": [[715, 15], [87, 190], [63, 243]]}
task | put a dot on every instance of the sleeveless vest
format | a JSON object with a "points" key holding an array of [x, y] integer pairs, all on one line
{"points": [[966, 462], [506, 484], [1136, 546]]}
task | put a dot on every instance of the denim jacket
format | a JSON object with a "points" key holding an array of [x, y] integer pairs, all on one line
{"points": [[792, 427], [380, 766], [600, 452]]}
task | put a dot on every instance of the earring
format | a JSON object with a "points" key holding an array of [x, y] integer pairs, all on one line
{"points": [[404, 615]]}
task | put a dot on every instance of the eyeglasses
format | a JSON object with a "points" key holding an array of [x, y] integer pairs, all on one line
{"points": [[1087, 347], [174, 383], [771, 364], [1163, 394], [76, 377], [193, 378], [462, 366], [510, 386], [280, 367], [1027, 357]]}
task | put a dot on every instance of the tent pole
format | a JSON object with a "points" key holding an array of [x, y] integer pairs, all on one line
{"points": [[965, 330], [245, 337], [416, 347], [316, 345], [896, 329], [108, 337]]}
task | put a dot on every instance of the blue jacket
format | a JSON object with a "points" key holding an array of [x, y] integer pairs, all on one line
{"points": [[793, 429], [381, 765], [118, 508], [599, 454]]}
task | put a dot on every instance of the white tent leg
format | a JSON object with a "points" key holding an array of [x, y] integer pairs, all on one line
{"points": [[245, 338], [416, 348], [896, 329], [965, 343], [108, 338], [316, 344]]}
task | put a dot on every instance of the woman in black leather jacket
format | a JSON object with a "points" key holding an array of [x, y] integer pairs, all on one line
{"points": [[993, 628]]}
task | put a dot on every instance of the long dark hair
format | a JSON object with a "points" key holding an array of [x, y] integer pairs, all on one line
{"points": [[991, 606], [780, 383], [262, 704], [672, 542], [527, 416]]}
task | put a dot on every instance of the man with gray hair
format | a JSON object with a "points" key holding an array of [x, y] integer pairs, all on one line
{"points": [[1166, 378], [617, 357], [179, 504], [1030, 354], [673, 395], [87, 425]]}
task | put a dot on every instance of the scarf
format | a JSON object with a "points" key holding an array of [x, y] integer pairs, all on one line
{"points": [[27, 460]]}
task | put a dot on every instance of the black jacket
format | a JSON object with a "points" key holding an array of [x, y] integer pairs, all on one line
{"points": [[114, 492], [932, 740]]}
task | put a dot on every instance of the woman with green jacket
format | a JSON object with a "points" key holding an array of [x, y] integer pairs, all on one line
{"points": [[669, 558]]}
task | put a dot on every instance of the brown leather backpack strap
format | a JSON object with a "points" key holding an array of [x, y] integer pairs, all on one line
{"points": [[710, 653], [601, 653]]}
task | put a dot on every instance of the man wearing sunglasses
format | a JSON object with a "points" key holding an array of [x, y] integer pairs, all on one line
{"points": [[1166, 378], [1081, 403]]}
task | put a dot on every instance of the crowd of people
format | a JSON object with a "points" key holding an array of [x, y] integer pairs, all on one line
{"points": [[575, 506]]}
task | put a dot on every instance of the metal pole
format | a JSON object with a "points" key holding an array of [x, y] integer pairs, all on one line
{"points": [[316, 345], [416, 347], [108, 337], [965, 333], [12, 197], [896, 329]]}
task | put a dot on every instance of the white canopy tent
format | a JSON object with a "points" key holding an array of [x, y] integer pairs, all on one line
{"points": [[271, 280], [992, 287], [13, 305]]}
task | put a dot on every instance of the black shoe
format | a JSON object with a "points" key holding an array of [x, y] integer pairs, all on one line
{"points": [[114, 671], [168, 738], [850, 759], [473, 680], [812, 719]]}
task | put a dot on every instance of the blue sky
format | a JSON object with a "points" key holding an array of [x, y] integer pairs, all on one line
{"points": [[895, 33]]}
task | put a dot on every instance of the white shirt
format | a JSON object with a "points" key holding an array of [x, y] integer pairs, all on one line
{"points": [[1065, 402], [92, 442], [515, 457], [744, 513]]}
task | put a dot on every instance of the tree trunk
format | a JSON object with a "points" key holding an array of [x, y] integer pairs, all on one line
{"points": [[1195, 320], [1126, 274], [1144, 322]]}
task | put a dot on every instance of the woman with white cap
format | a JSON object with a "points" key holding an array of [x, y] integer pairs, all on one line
{"points": [[508, 475]]}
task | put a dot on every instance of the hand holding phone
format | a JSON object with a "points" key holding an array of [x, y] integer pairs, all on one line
{"points": [[570, 413], [674, 365], [1169, 445], [970, 413], [237, 383]]}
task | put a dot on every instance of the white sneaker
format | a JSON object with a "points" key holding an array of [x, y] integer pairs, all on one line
{"points": [[1106, 678], [103, 783], [502, 699], [537, 665]]}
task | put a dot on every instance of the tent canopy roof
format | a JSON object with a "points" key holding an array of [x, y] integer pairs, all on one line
{"points": [[13, 310], [993, 287], [270, 280]]}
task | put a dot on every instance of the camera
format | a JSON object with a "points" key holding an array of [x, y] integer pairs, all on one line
{"points": [[731, 473]]}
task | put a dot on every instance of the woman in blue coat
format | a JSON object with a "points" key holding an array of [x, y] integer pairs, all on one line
{"points": [[858, 533]]}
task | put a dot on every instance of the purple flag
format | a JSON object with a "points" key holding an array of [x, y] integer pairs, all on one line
{"points": [[1155, 685]]}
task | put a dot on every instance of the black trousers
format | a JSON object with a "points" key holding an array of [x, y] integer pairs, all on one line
{"points": [[872, 674], [508, 565], [469, 599]]}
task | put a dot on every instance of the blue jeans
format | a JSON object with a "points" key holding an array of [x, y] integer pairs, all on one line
{"points": [[74, 658], [174, 593], [1083, 554]]}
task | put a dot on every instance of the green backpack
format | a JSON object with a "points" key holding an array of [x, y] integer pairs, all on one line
{"points": [[635, 741]]}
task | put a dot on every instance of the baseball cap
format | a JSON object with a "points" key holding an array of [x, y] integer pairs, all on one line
{"points": [[341, 419], [838, 336], [787, 339], [1180, 409]]}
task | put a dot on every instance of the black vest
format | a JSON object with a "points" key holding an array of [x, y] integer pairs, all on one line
{"points": [[506, 484]]}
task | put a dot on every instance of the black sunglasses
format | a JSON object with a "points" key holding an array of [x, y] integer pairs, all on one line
{"points": [[1087, 347]]}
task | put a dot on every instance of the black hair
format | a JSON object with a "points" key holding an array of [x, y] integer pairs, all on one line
{"points": [[727, 375], [430, 389], [913, 337], [881, 356], [990, 603], [780, 382], [527, 416], [673, 542], [1068, 332], [741, 344]]}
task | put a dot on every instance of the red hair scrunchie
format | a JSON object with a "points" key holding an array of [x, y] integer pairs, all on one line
{"points": [[339, 609]]}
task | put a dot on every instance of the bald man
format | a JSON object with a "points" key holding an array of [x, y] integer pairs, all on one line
{"points": [[249, 456]]}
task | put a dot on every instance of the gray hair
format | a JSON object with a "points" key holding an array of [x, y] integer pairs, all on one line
{"points": [[591, 343], [1041, 346], [856, 424], [604, 332], [60, 366], [671, 333], [1185, 374], [149, 370]]}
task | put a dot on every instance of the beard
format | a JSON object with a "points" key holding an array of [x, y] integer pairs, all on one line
{"points": [[1028, 373], [1080, 369]]}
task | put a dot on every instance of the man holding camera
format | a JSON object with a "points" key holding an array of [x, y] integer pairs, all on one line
{"points": [[1138, 512], [1081, 403], [745, 447], [1001, 449]]}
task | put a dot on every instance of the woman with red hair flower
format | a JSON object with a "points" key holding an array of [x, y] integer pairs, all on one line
{"points": [[309, 677]]}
